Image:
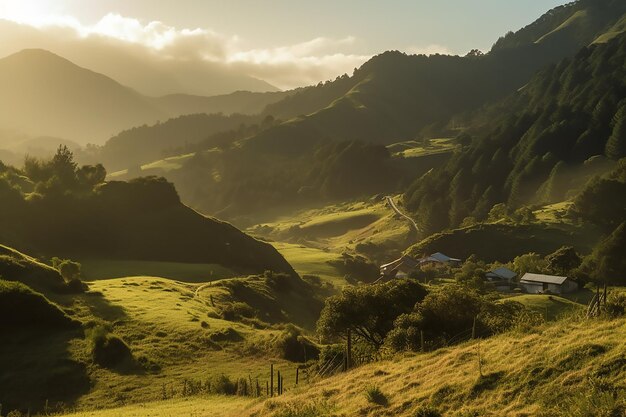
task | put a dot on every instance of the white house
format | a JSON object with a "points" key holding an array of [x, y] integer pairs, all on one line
{"points": [[540, 283]]}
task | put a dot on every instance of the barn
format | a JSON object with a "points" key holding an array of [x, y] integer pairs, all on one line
{"points": [[540, 283]]}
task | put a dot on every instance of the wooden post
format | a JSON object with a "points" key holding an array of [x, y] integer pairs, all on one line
{"points": [[278, 380], [267, 389], [474, 328], [422, 340], [271, 380], [297, 375], [349, 351]]}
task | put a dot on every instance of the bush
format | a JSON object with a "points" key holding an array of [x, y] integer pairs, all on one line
{"points": [[426, 411], [375, 396], [222, 384], [616, 304], [278, 281], [108, 350], [294, 347]]}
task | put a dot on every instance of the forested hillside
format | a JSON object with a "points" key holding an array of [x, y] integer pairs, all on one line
{"points": [[546, 140]]}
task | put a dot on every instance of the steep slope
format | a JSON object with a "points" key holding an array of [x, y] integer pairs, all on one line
{"points": [[394, 97], [514, 374], [569, 27], [44, 94], [542, 142]]}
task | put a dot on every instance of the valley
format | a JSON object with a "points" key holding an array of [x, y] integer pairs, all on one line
{"points": [[424, 235]]}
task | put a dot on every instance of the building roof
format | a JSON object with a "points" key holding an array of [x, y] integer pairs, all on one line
{"points": [[404, 263], [544, 279], [443, 258], [504, 273]]}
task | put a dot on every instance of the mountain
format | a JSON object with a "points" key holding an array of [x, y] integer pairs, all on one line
{"points": [[47, 95], [244, 102], [538, 146], [567, 28], [150, 73], [44, 94]]}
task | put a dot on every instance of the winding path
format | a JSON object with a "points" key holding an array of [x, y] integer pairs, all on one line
{"points": [[397, 210]]}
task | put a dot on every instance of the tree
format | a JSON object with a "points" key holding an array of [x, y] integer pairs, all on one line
{"points": [[69, 270], [563, 260], [530, 262], [607, 263], [498, 212], [616, 144], [368, 311], [63, 165]]}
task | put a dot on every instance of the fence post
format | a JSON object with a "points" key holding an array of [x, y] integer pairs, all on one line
{"points": [[474, 328], [349, 352], [271, 380], [267, 389], [279, 388], [297, 374]]}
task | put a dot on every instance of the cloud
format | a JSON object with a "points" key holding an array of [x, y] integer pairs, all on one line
{"points": [[156, 58]]}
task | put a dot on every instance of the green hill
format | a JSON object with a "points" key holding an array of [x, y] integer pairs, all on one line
{"points": [[67, 211]]}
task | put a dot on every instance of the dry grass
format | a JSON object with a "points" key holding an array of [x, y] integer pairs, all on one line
{"points": [[522, 374]]}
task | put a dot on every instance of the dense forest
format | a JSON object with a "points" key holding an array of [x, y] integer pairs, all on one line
{"points": [[546, 140]]}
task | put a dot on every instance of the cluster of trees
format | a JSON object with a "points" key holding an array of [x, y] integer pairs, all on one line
{"points": [[402, 314], [567, 114]]}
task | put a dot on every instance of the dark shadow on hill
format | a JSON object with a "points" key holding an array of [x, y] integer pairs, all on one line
{"points": [[101, 307], [37, 369]]}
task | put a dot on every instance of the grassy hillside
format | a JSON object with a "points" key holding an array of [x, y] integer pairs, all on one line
{"points": [[520, 373], [173, 333]]}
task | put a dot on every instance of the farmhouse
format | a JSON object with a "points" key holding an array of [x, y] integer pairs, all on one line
{"points": [[400, 268], [445, 259], [501, 274], [539, 283], [403, 266], [502, 278]]}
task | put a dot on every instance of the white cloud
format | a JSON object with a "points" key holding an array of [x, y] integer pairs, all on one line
{"points": [[158, 44]]}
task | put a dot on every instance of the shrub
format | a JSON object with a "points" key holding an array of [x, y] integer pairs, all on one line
{"points": [[291, 345], [278, 281], [108, 350], [375, 396], [222, 384], [427, 411], [616, 304]]}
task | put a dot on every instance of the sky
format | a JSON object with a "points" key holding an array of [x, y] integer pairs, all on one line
{"points": [[288, 43]]}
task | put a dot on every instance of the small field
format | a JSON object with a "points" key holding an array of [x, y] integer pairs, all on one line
{"points": [[96, 269], [551, 307], [414, 148], [311, 238]]}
